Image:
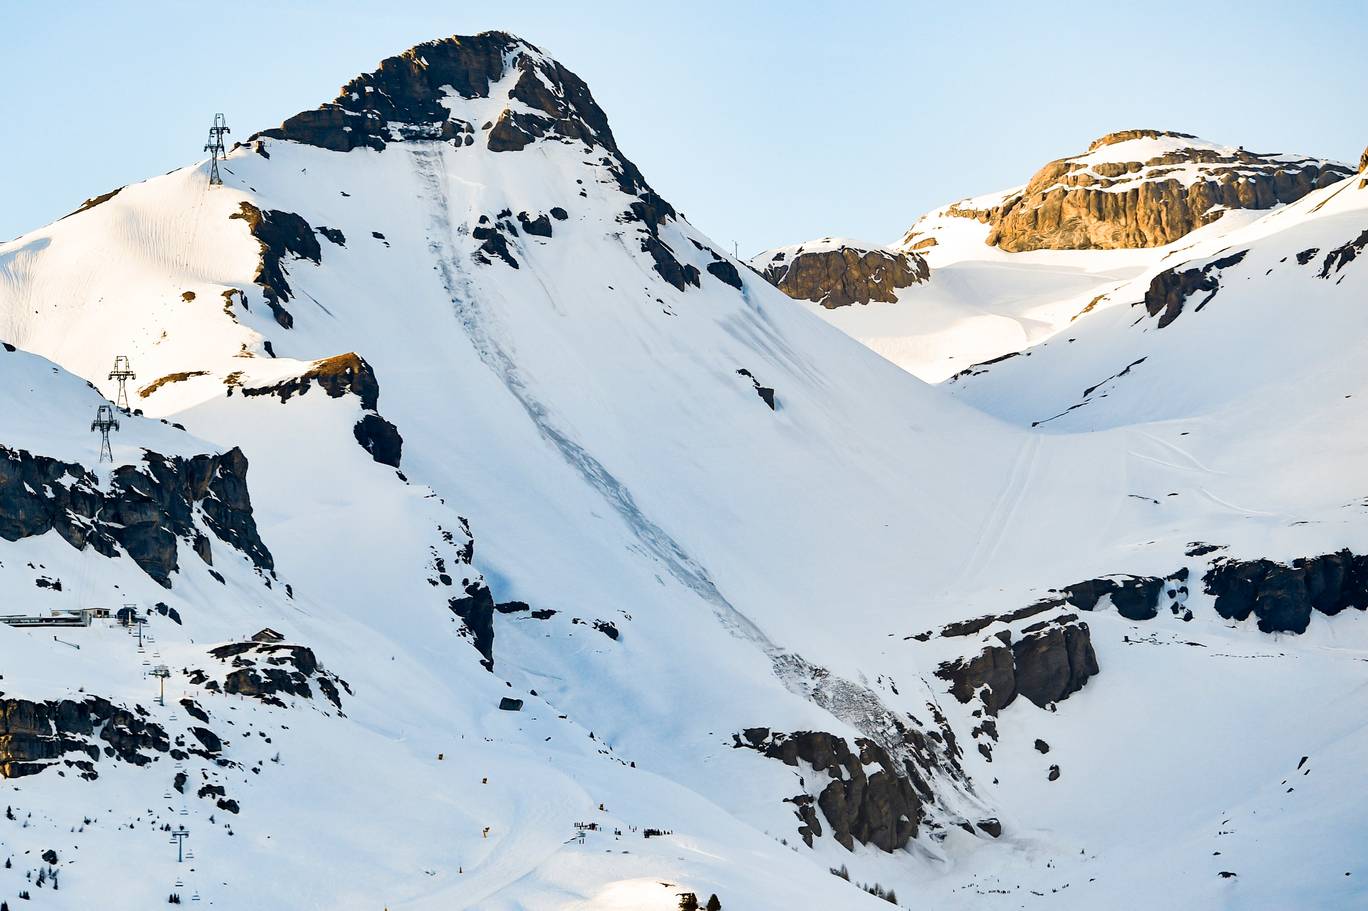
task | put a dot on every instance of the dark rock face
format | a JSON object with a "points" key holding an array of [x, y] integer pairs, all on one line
{"points": [[146, 511], [978, 624], [766, 393], [1072, 204], [845, 275], [402, 101], [721, 268], [880, 806], [669, 268], [1281, 596], [1054, 663], [208, 739], [380, 438], [476, 610], [1170, 289], [725, 272], [1135, 597], [269, 670], [991, 673], [1343, 255], [493, 242], [338, 376], [509, 704], [1050, 662], [36, 735], [537, 227], [279, 233]]}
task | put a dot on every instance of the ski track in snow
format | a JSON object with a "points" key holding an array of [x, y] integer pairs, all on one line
{"points": [[427, 167], [1005, 506]]}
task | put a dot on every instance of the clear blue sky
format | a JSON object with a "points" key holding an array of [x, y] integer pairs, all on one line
{"points": [[766, 123]]}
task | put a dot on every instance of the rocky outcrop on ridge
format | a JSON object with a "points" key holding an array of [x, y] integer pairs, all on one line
{"points": [[1169, 290], [1048, 662], [268, 669], [146, 511], [340, 375], [1151, 192], [840, 274], [868, 798], [1282, 596], [279, 233]]}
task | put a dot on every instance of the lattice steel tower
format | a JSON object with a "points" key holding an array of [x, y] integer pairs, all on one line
{"points": [[123, 372], [105, 422], [215, 147]]}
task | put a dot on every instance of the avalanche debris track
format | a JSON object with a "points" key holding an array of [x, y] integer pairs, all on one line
{"points": [[428, 166]]}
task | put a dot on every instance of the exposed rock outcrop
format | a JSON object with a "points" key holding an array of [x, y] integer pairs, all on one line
{"points": [[146, 511], [1343, 255], [1282, 596], [1142, 188], [35, 735], [1052, 660], [1134, 597], [341, 375], [380, 438], [838, 274], [337, 375], [269, 670], [279, 233], [476, 610], [1169, 290], [869, 797], [766, 393]]}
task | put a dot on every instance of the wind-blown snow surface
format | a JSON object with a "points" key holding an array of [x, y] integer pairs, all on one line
{"points": [[761, 568]]}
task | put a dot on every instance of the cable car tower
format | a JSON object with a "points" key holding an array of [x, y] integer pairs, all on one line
{"points": [[215, 148], [105, 422], [123, 372]]}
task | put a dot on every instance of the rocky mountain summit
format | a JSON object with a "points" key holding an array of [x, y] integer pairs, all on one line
{"points": [[1140, 188]]}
